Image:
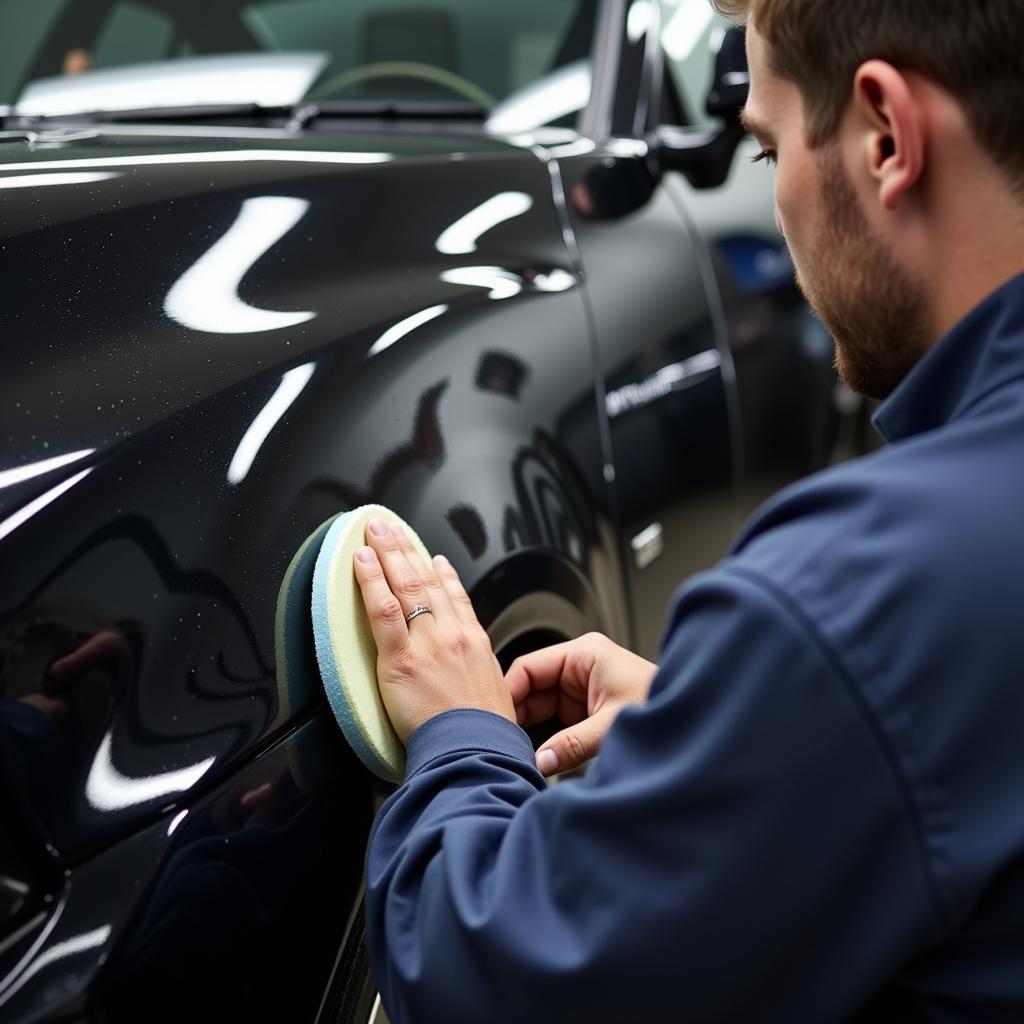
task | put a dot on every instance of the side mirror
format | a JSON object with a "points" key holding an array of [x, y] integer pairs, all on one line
{"points": [[705, 155], [731, 81]]}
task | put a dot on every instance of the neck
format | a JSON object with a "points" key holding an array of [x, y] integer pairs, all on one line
{"points": [[978, 247]]}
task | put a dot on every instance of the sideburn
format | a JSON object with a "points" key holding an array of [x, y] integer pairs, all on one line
{"points": [[873, 307]]}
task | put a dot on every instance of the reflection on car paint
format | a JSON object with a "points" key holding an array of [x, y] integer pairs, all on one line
{"points": [[108, 789], [292, 383], [405, 326], [9, 477], [205, 297], [500, 283], [36, 505], [662, 383], [36, 180], [462, 236]]}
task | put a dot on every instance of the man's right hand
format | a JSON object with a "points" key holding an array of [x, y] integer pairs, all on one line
{"points": [[585, 682]]}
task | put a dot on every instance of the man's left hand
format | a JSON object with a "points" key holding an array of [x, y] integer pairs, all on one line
{"points": [[438, 661]]}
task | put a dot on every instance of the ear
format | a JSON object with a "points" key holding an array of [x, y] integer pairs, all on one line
{"points": [[892, 128]]}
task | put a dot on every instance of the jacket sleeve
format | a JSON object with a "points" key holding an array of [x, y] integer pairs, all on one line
{"points": [[742, 848]]}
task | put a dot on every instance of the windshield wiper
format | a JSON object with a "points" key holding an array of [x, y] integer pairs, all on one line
{"points": [[305, 113], [295, 117]]}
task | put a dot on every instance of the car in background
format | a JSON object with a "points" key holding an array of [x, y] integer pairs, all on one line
{"points": [[263, 263]]}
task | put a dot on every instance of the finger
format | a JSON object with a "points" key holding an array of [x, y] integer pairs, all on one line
{"points": [[254, 798], [437, 597], [387, 620], [545, 668], [541, 705], [571, 747], [405, 583], [457, 596], [104, 646], [537, 707]]}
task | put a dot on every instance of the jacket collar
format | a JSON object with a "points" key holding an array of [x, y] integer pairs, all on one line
{"points": [[981, 354]]}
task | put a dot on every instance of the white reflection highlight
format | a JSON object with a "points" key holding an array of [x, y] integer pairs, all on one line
{"points": [[638, 20], [26, 512], [205, 297], [581, 147], [686, 28], [107, 789], [230, 156], [9, 477], [35, 180], [563, 92], [265, 79], [176, 821], [662, 383], [403, 327], [463, 235], [287, 391], [60, 951], [556, 280], [501, 283]]}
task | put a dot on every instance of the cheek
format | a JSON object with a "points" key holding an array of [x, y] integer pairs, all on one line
{"points": [[784, 203], [793, 207]]}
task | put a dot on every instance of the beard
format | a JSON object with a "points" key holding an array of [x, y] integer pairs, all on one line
{"points": [[873, 308]]}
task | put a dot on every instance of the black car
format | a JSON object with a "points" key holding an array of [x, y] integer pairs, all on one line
{"points": [[266, 262]]}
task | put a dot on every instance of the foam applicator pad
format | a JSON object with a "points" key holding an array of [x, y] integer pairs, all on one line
{"points": [[345, 650], [298, 675]]}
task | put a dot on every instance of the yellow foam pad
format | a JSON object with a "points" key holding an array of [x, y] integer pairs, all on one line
{"points": [[345, 650]]}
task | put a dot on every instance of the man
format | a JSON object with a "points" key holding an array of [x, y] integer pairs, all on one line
{"points": [[816, 813]]}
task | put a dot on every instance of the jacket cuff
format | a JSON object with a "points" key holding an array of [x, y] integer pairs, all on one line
{"points": [[469, 731]]}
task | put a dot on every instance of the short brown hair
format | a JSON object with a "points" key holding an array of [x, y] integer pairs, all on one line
{"points": [[972, 48]]}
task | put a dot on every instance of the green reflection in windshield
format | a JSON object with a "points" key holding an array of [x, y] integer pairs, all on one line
{"points": [[408, 50]]}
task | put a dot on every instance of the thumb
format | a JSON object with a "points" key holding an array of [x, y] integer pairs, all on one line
{"points": [[569, 748]]}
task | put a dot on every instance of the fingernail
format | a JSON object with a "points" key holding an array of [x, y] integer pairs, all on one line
{"points": [[397, 530], [547, 761], [378, 528], [442, 561], [365, 554]]}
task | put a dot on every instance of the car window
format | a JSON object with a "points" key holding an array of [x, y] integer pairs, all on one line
{"points": [[22, 26], [132, 34], [690, 36], [406, 50]]}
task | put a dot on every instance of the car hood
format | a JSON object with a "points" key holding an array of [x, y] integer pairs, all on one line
{"points": [[147, 268]]}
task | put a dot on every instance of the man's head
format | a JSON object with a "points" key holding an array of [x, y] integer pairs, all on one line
{"points": [[898, 126]]}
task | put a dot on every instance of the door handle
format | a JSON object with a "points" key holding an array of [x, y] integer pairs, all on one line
{"points": [[647, 545]]}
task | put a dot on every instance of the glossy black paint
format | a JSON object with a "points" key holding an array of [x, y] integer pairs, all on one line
{"points": [[156, 556], [235, 905], [188, 838]]}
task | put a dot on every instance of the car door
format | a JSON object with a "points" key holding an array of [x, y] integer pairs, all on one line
{"points": [[299, 328], [667, 380]]}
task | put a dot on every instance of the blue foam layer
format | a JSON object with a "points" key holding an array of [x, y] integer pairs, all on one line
{"points": [[296, 661]]}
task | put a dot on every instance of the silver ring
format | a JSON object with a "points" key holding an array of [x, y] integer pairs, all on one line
{"points": [[420, 609]]}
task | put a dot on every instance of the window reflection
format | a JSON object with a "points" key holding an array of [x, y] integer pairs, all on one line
{"points": [[501, 284], [403, 327], [205, 297], [280, 401], [464, 234]]}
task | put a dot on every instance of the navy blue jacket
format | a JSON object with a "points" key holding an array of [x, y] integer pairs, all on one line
{"points": [[817, 816]]}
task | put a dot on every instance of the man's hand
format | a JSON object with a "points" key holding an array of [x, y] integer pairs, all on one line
{"points": [[436, 662], [586, 683]]}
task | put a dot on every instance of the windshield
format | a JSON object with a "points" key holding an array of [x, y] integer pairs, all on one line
{"points": [[75, 56]]}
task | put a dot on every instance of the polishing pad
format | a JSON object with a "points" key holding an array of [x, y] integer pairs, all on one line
{"points": [[345, 649], [298, 677]]}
